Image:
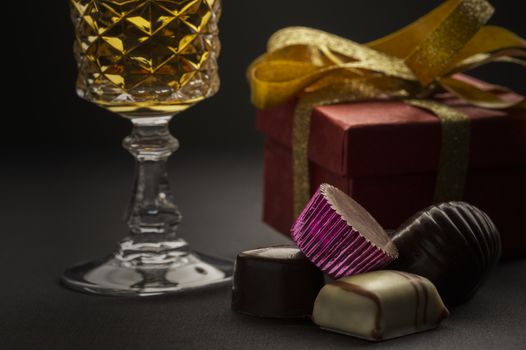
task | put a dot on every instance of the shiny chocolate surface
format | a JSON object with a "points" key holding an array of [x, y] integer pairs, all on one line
{"points": [[277, 282], [454, 244]]}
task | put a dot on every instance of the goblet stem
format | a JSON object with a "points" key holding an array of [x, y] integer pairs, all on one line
{"points": [[152, 216], [151, 260]]}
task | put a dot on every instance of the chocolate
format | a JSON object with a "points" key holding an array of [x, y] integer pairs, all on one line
{"points": [[275, 282], [453, 244], [340, 237], [379, 305]]}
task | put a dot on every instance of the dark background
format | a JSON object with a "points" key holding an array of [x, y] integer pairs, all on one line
{"points": [[66, 181], [52, 116]]}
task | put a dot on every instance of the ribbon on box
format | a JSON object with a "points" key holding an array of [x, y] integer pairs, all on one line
{"points": [[409, 65]]}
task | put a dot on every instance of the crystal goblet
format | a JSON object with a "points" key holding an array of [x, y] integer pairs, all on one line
{"points": [[148, 60]]}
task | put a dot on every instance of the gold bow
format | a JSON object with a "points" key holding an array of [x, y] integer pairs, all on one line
{"points": [[410, 65]]}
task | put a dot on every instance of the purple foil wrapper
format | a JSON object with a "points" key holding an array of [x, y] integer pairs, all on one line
{"points": [[326, 234]]}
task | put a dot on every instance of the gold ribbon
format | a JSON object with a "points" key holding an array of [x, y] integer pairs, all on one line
{"points": [[409, 65]]}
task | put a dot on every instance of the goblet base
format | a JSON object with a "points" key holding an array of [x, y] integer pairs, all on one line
{"points": [[116, 277]]}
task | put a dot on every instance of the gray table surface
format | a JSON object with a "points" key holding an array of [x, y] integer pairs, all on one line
{"points": [[56, 211]]}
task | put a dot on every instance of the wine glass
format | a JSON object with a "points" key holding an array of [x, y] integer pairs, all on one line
{"points": [[148, 60]]}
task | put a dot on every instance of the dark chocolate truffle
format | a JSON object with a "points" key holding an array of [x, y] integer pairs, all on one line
{"points": [[454, 245], [275, 282]]}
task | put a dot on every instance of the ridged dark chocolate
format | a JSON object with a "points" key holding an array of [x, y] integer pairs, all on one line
{"points": [[453, 244]]}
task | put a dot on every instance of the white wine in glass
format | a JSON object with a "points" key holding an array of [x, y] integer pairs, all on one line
{"points": [[148, 60]]}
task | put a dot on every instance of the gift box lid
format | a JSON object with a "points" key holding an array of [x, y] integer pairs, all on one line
{"points": [[391, 137]]}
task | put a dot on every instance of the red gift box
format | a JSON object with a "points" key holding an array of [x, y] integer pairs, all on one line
{"points": [[385, 154]]}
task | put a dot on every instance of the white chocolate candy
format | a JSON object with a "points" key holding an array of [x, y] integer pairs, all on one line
{"points": [[379, 305]]}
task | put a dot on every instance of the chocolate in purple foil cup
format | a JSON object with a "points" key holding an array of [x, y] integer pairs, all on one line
{"points": [[340, 237]]}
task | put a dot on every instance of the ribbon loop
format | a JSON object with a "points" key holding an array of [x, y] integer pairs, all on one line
{"points": [[453, 29]]}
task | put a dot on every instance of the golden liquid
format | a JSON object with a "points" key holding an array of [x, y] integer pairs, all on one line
{"points": [[146, 57]]}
